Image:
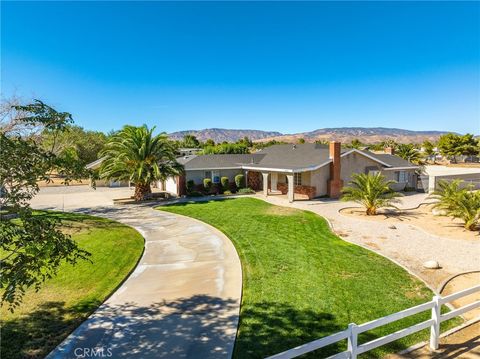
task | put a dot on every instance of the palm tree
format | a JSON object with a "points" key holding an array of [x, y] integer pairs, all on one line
{"points": [[372, 191], [408, 152], [457, 202], [134, 154]]}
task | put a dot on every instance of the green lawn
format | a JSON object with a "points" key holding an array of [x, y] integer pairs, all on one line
{"points": [[301, 282], [45, 318]]}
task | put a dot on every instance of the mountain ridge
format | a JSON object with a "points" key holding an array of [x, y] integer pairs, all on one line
{"points": [[344, 134]]}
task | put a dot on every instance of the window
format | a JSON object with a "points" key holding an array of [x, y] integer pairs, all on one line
{"points": [[401, 176], [213, 175], [297, 179], [373, 172]]}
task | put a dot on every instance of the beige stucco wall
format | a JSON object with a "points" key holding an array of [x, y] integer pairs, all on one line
{"points": [[400, 186], [319, 179], [356, 163], [198, 175]]}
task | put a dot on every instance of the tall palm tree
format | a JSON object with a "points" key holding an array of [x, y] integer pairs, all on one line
{"points": [[409, 153], [136, 155], [372, 191]]}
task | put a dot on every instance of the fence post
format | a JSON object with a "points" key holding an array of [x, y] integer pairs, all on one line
{"points": [[352, 340], [435, 329]]}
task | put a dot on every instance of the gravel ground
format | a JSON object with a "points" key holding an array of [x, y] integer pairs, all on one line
{"points": [[403, 242]]}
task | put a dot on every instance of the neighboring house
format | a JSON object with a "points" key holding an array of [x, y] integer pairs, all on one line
{"points": [[302, 170], [431, 175], [95, 165]]}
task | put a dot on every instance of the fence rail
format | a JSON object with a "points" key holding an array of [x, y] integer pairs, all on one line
{"points": [[353, 330]]}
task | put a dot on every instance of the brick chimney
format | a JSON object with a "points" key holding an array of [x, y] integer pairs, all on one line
{"points": [[389, 150], [335, 183]]}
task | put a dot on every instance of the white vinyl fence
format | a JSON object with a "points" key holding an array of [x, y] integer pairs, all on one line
{"points": [[351, 333]]}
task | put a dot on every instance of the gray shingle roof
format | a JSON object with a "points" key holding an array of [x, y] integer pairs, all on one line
{"points": [[391, 160], [293, 157], [289, 157], [218, 161]]}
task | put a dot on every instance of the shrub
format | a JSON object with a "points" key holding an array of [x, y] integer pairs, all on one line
{"points": [[190, 186], [240, 181], [371, 191], [225, 183], [227, 193], [457, 202], [247, 190], [195, 194], [207, 184]]}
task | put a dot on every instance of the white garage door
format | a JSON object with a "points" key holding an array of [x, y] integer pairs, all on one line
{"points": [[171, 185]]}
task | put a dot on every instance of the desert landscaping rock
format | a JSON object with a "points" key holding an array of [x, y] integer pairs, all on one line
{"points": [[431, 265]]}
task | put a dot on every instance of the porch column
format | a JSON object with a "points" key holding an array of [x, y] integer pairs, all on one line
{"points": [[274, 180], [290, 188], [265, 183]]}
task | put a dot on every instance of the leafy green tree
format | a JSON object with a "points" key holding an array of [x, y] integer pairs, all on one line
{"points": [[136, 155], [356, 143], [245, 141], [452, 145], [226, 148], [78, 143], [372, 191], [389, 143], [408, 152], [190, 141], [209, 142], [459, 201], [301, 141], [32, 246]]}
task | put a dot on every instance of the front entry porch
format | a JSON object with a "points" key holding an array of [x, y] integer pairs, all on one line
{"points": [[294, 185]]}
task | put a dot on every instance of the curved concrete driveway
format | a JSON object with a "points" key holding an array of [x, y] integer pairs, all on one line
{"points": [[181, 301]]}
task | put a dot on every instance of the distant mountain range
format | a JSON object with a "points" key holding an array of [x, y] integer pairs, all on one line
{"points": [[222, 134], [343, 134]]}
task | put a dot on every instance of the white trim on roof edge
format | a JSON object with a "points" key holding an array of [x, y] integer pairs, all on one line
{"points": [[214, 168], [366, 155], [402, 168]]}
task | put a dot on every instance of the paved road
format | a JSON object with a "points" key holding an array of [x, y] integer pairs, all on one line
{"points": [[181, 301]]}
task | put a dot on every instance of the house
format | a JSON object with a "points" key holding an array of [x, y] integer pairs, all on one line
{"points": [[302, 170]]}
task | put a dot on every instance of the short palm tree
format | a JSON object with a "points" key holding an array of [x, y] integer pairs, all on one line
{"points": [[136, 155], [372, 191], [459, 202], [409, 153]]}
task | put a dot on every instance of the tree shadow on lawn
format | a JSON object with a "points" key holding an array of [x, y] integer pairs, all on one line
{"points": [[268, 328], [199, 326], [34, 334]]}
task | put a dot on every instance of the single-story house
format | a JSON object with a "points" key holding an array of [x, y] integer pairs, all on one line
{"points": [[302, 170]]}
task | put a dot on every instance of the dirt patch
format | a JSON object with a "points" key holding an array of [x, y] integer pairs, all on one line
{"points": [[460, 283], [464, 344], [421, 217], [281, 211]]}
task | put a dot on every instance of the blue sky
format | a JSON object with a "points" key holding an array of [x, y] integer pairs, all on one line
{"points": [[284, 66]]}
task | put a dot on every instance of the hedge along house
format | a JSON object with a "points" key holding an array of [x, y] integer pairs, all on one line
{"points": [[299, 171]]}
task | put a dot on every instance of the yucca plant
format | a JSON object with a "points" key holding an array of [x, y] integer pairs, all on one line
{"points": [[459, 201], [136, 155], [372, 191]]}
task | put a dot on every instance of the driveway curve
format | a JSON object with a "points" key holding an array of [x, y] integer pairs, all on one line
{"points": [[182, 300]]}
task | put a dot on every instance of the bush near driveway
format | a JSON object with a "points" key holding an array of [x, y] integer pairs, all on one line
{"points": [[301, 282], [48, 316]]}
